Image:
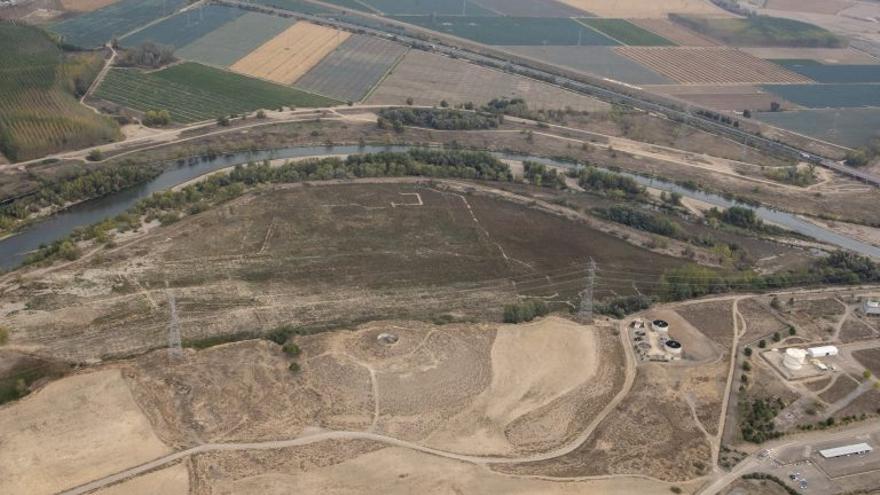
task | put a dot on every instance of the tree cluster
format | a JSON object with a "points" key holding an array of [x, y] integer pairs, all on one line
{"points": [[156, 118], [524, 311], [433, 118], [621, 306], [149, 55], [757, 424], [591, 178], [642, 220], [542, 175]]}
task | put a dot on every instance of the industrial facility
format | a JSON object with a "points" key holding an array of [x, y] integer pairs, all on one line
{"points": [[846, 450], [653, 343]]}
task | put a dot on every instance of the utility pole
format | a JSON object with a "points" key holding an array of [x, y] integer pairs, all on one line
{"points": [[175, 347], [585, 312]]}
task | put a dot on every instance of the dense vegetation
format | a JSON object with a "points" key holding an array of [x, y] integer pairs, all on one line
{"points": [[542, 175], [642, 220], [39, 84], [148, 55], [436, 118], [524, 311], [863, 156], [621, 306], [762, 31], [794, 175], [756, 423], [610, 183]]}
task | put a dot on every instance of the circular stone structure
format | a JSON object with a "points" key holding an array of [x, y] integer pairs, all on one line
{"points": [[387, 338], [794, 358], [660, 326], [673, 347]]}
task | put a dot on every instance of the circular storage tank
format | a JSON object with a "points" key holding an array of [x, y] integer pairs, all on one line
{"points": [[673, 347], [794, 358], [660, 326]]}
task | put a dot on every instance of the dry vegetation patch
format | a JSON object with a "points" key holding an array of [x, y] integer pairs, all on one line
{"points": [[73, 431], [85, 5], [712, 319], [674, 32], [841, 388], [760, 320], [854, 329], [172, 480], [870, 359]]}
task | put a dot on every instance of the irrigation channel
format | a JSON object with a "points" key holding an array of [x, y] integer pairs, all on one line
{"points": [[14, 249]]}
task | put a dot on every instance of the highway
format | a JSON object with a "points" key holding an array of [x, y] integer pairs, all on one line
{"points": [[595, 89]]}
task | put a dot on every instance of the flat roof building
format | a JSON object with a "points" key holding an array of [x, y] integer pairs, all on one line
{"points": [[871, 307], [822, 351], [854, 449]]}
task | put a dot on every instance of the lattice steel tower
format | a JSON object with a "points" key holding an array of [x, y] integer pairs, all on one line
{"points": [[585, 312], [175, 347]]}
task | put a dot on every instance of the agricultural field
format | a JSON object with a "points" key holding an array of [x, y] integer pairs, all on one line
{"points": [[829, 95], [828, 56], [673, 32], [428, 7], [286, 57], [762, 31], [514, 30], [813, 6], [235, 40], [348, 4], [653, 9], [428, 78], [191, 92], [301, 6], [598, 60], [85, 5], [532, 8], [728, 98], [185, 27], [39, 111], [98, 27], [839, 73], [695, 65], [626, 32], [353, 69]]}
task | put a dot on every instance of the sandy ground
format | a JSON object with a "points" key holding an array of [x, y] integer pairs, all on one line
{"points": [[399, 471], [640, 8], [137, 131], [169, 481], [523, 380], [73, 431]]}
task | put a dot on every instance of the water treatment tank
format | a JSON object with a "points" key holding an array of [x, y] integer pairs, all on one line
{"points": [[794, 358]]}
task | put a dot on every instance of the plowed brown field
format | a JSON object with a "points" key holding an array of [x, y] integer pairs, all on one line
{"points": [[641, 8], [673, 32], [689, 65], [286, 57]]}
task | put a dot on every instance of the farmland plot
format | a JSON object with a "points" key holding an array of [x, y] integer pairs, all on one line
{"points": [[428, 7], [532, 8], [853, 127], [514, 30], [626, 32], [762, 31], [353, 69], [286, 57], [185, 27], [224, 46], [295, 6], [599, 60], [192, 92], [821, 55], [85, 5], [829, 95], [100, 26], [728, 98], [651, 9], [673, 32], [689, 65], [428, 78], [834, 73]]}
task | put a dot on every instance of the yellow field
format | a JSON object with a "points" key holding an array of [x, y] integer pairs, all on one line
{"points": [[286, 57], [640, 8], [85, 5]]}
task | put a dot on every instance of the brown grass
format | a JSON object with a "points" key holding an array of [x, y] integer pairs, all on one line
{"points": [[854, 330], [713, 319], [286, 57], [843, 386], [85, 5], [674, 32], [689, 65]]}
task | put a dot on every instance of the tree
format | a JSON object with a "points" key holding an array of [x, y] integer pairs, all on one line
{"points": [[409, 101], [775, 304], [747, 113], [156, 118], [261, 114], [148, 54], [776, 337], [792, 330], [866, 374], [4, 335], [95, 155], [444, 103], [762, 343], [775, 106], [223, 121]]}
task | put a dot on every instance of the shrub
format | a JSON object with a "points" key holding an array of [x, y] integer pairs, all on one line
{"points": [[156, 118], [4, 335], [524, 311], [294, 367], [96, 155], [291, 349]]}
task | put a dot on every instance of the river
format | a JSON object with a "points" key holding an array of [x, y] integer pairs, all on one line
{"points": [[13, 250]]}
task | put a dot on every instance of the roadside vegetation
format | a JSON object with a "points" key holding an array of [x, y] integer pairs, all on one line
{"points": [[148, 55], [863, 156], [433, 118]]}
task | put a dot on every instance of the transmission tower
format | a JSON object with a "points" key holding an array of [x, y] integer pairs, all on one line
{"points": [[175, 348], [585, 312]]}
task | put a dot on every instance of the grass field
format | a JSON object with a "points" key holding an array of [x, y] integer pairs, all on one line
{"points": [[833, 73], [185, 28], [233, 41], [39, 113], [192, 92], [428, 7], [514, 30], [100, 26], [829, 95], [626, 32], [286, 57], [353, 69], [602, 61], [853, 127], [762, 31]]}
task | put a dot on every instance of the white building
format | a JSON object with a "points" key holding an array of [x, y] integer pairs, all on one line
{"points": [[794, 358], [871, 307], [660, 326], [823, 351], [854, 449]]}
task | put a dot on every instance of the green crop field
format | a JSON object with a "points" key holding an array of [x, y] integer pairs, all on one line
{"points": [[186, 27], [626, 32], [829, 95], [428, 7], [97, 28], [837, 73], [762, 31], [514, 30], [192, 92], [39, 113]]}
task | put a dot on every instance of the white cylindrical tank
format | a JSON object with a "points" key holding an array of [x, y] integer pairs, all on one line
{"points": [[673, 347], [794, 358], [660, 326]]}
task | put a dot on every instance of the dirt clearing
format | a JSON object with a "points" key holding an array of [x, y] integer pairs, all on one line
{"points": [[286, 57], [73, 431]]}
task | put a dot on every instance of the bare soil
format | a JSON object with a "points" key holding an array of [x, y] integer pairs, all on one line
{"points": [[870, 359], [842, 386], [172, 480], [712, 319], [761, 321]]}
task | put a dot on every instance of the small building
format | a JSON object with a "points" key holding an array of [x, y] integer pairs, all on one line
{"points": [[871, 307], [822, 351], [846, 450]]}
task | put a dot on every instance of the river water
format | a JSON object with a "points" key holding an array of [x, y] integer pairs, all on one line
{"points": [[13, 250]]}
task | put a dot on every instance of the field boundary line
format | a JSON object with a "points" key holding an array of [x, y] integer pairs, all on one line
{"points": [[612, 38], [385, 75]]}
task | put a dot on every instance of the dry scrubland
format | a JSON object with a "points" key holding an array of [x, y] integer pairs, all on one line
{"points": [[700, 65], [71, 432], [173, 480], [286, 57], [348, 256], [428, 78], [653, 8]]}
